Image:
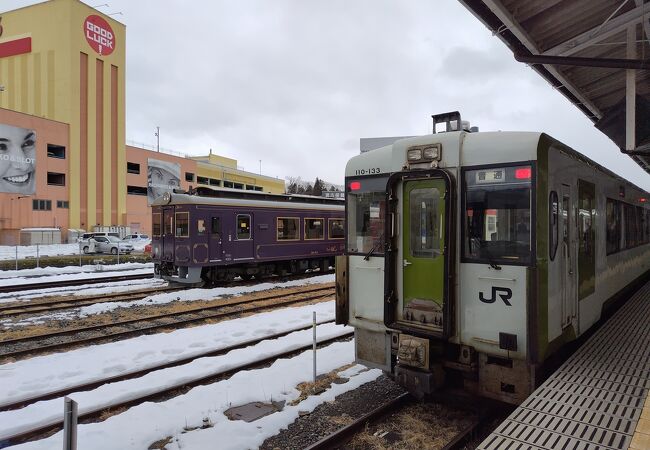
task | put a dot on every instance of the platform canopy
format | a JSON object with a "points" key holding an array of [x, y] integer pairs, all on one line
{"points": [[595, 52]]}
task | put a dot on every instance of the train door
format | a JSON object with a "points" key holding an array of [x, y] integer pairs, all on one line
{"points": [[167, 243], [242, 244], [215, 236], [568, 270], [423, 243]]}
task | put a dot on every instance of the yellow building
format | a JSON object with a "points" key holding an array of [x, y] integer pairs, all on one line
{"points": [[62, 91]]}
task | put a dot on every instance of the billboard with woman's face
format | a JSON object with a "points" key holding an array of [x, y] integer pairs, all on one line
{"points": [[163, 176], [17, 160]]}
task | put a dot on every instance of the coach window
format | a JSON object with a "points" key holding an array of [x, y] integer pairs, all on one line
{"points": [[156, 226], [200, 226], [216, 226], [182, 224], [553, 224], [337, 228], [243, 226], [314, 229], [613, 219], [497, 224], [288, 228]]}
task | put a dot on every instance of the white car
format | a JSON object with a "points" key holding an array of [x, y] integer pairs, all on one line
{"points": [[136, 237], [106, 244]]}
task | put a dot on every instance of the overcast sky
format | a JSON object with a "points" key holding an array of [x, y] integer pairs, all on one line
{"points": [[296, 83]]}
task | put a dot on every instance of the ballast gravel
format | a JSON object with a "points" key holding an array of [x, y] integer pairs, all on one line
{"points": [[329, 417]]}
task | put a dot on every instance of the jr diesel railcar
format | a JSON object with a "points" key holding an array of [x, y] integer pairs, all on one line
{"points": [[477, 256], [199, 239]]}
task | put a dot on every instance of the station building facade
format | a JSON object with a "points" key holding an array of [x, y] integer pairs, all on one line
{"points": [[64, 162]]}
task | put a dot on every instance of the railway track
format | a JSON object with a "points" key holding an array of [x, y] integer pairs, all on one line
{"points": [[68, 302], [67, 283], [94, 414], [47, 342]]}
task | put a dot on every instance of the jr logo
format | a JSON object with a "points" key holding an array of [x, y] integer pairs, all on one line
{"points": [[504, 293]]}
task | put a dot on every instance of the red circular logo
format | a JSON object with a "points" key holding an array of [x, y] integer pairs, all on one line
{"points": [[99, 35]]}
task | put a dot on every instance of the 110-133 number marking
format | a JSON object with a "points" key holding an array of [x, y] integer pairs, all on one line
{"points": [[370, 171]]}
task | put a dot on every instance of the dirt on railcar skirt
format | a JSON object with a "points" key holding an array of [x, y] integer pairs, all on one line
{"points": [[141, 311]]}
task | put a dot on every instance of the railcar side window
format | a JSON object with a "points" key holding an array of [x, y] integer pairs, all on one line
{"points": [[288, 228], [337, 228], [366, 210], [553, 224], [200, 226], [156, 224], [182, 224], [613, 213], [497, 226], [243, 226], [216, 226], [314, 229]]}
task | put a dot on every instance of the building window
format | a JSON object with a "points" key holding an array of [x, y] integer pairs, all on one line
{"points": [[250, 188], [288, 228], [55, 151], [42, 205], [182, 224], [227, 184], [62, 204], [258, 188], [238, 186], [314, 228], [202, 180], [214, 182], [133, 168], [337, 228], [189, 176], [136, 190], [243, 226], [55, 179]]}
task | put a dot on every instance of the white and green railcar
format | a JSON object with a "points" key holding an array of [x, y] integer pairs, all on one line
{"points": [[479, 256]]}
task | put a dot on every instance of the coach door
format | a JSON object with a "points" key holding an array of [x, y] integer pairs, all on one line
{"points": [[168, 234], [568, 269], [242, 240], [423, 258]]}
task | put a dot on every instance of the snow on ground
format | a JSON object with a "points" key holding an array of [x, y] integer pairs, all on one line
{"points": [[55, 274], [25, 251], [189, 295], [148, 422]]}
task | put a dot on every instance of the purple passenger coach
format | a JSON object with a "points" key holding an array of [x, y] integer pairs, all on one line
{"points": [[199, 239]]}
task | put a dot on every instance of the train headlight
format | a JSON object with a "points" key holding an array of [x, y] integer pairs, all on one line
{"points": [[414, 154], [432, 153]]}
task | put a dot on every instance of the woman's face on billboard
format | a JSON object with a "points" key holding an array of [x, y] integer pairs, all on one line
{"points": [[17, 160]]}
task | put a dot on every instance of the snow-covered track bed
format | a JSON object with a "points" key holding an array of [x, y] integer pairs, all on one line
{"points": [[78, 282], [72, 337], [47, 425], [66, 302]]}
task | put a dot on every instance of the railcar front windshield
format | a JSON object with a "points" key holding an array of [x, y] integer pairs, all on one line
{"points": [[497, 225], [366, 210]]}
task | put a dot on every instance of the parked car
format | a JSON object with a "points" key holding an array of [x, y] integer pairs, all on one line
{"points": [[84, 237], [136, 237], [106, 244]]}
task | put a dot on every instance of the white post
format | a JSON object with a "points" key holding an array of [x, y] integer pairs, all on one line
{"points": [[38, 264], [16, 257], [79, 255], [314, 346], [70, 424]]}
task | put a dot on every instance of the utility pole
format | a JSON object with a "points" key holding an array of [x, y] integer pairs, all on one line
{"points": [[158, 139], [260, 167]]}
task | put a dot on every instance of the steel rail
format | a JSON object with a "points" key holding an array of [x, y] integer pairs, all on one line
{"points": [[36, 286], [140, 330], [95, 413], [342, 435], [140, 372]]}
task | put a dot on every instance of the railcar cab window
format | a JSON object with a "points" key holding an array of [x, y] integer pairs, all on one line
{"points": [[366, 210], [314, 229], [169, 223], [243, 226], [288, 228], [156, 225], [337, 228], [182, 224], [497, 224]]}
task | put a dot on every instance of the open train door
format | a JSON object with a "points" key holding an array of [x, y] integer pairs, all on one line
{"points": [[420, 255]]}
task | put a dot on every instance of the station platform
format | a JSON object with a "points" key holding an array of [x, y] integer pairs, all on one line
{"points": [[597, 399]]}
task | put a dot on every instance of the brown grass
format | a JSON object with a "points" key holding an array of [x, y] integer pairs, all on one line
{"points": [[322, 384]]}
